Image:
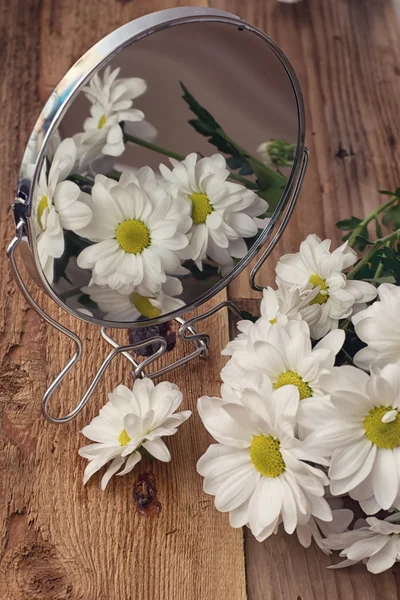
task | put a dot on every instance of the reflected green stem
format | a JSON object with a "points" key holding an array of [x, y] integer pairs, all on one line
{"points": [[70, 293], [135, 140]]}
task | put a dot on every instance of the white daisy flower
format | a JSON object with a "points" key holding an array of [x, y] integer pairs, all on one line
{"points": [[112, 101], [132, 419], [379, 327], [315, 266], [131, 307], [318, 530], [256, 471], [358, 427], [375, 542], [139, 233], [58, 206], [223, 213], [286, 356]]}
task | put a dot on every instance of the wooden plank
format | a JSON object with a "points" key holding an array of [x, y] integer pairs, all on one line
{"points": [[346, 55], [58, 540]]}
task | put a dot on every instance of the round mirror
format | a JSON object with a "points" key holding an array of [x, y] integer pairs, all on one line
{"points": [[162, 162]]}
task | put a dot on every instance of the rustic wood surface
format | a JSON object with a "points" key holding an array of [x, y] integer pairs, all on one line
{"points": [[59, 541]]}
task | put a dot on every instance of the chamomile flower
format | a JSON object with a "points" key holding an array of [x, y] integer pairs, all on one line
{"points": [[137, 230], [375, 542], [111, 101], [131, 307], [58, 206], [315, 266], [379, 327], [131, 420], [357, 426], [286, 356], [257, 470], [223, 213]]}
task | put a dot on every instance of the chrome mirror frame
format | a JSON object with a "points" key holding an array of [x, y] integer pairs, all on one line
{"points": [[34, 156]]}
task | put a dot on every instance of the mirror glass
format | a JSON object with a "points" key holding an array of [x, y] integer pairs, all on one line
{"points": [[164, 171]]}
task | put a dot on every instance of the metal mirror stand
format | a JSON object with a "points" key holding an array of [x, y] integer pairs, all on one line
{"points": [[187, 332]]}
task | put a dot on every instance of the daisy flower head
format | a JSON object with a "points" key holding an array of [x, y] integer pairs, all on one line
{"points": [[379, 327], [286, 356], [375, 542], [131, 307], [131, 420], [357, 426], [223, 213], [257, 470], [111, 101], [58, 206], [138, 235], [315, 266]]}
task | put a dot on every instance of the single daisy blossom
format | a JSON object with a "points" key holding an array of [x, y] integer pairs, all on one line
{"points": [[131, 307], [286, 356], [256, 471], [375, 542], [138, 233], [223, 213], [357, 426], [379, 327], [111, 101], [315, 266], [132, 419], [58, 206]]}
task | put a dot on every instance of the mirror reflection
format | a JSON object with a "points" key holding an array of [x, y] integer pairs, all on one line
{"points": [[164, 171]]}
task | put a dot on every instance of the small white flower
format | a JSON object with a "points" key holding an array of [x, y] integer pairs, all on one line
{"points": [[112, 101], [58, 206], [375, 542], [132, 419], [139, 230], [257, 471], [358, 427], [223, 213], [379, 327], [131, 307], [285, 355], [315, 266]]}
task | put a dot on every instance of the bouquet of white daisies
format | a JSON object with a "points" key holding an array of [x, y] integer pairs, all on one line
{"points": [[310, 400]]}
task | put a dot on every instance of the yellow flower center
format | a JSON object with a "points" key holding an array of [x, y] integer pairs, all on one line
{"points": [[43, 204], [273, 321], [102, 122], [383, 435], [144, 306], [266, 456], [292, 378], [124, 438], [133, 236], [323, 293], [201, 208]]}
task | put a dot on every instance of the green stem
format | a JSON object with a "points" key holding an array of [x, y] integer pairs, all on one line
{"points": [[379, 270], [348, 357], [135, 140], [81, 179], [368, 255], [71, 293], [370, 217]]}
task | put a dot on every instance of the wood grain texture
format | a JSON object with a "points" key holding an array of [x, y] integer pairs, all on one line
{"points": [[59, 540]]}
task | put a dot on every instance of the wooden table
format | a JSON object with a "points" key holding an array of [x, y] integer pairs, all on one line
{"points": [[61, 541]]}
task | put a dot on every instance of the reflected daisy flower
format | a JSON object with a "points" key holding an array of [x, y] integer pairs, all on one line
{"points": [[131, 420], [375, 542], [58, 206], [137, 230], [131, 307], [379, 327], [258, 471], [223, 213], [357, 426], [111, 101], [316, 267]]}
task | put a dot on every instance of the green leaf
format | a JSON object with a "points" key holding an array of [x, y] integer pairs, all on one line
{"points": [[392, 215], [348, 224], [378, 229], [248, 316]]}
